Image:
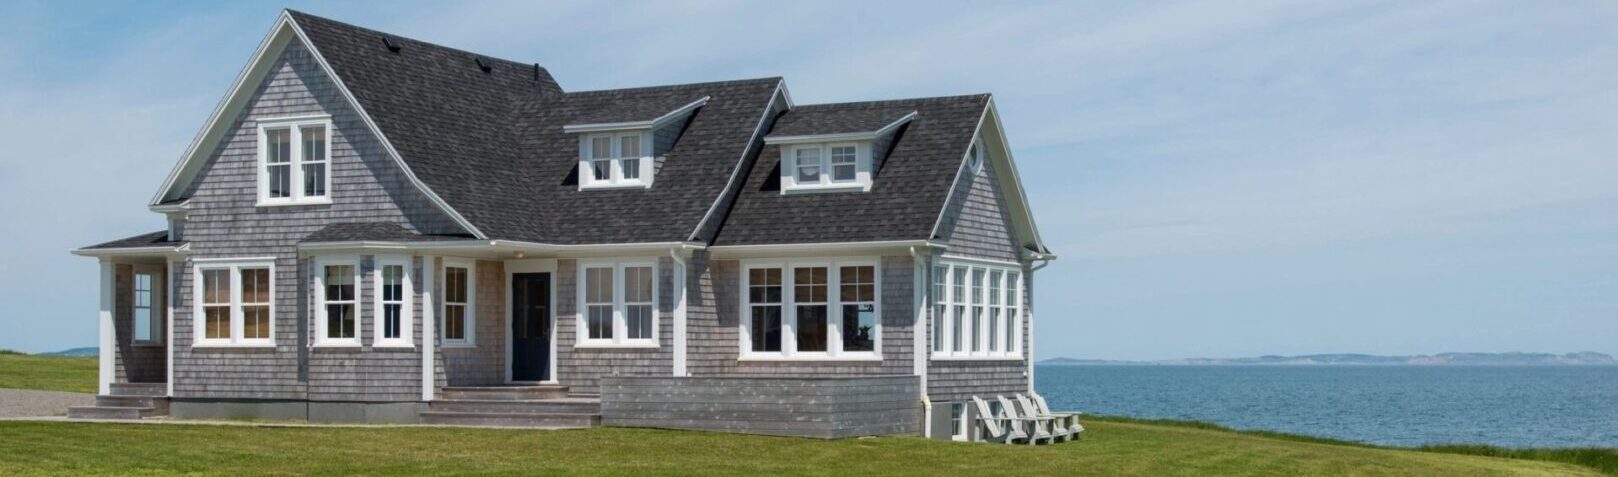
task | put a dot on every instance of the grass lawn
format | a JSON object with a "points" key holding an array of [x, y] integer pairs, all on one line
{"points": [[49, 373], [1111, 448]]}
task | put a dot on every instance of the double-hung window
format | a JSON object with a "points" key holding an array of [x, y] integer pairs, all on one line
{"points": [[618, 304], [977, 311], [615, 160], [294, 161], [337, 308], [235, 302], [811, 310], [458, 315], [393, 295]]}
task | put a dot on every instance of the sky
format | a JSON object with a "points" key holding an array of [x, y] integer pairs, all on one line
{"points": [[1219, 179]]}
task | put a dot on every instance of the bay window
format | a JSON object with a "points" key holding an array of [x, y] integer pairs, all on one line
{"points": [[294, 161], [235, 302], [393, 295], [811, 310], [618, 304], [977, 310], [337, 304], [459, 315]]}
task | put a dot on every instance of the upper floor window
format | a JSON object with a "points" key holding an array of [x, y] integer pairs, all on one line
{"points": [[810, 310], [619, 304], [977, 311], [610, 160], [294, 159], [826, 167]]}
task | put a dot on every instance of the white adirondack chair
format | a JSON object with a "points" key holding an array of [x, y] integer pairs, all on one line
{"points": [[1038, 429], [1059, 428], [1070, 419], [1000, 429]]}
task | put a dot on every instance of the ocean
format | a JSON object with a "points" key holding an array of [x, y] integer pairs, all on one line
{"points": [[1510, 406]]}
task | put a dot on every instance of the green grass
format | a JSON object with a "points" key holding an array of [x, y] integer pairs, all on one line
{"points": [[49, 373], [1110, 448]]}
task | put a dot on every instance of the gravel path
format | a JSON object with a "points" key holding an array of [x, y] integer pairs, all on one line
{"points": [[29, 403]]}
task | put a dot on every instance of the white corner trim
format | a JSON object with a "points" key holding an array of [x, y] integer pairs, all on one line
{"points": [[109, 339], [654, 123], [429, 324], [736, 172]]}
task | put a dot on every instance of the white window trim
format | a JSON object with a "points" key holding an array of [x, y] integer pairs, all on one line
{"points": [[156, 313], [407, 323], [295, 125], [587, 178], [470, 320], [1010, 310], [862, 168], [962, 427], [200, 328], [789, 313], [321, 340], [620, 321]]}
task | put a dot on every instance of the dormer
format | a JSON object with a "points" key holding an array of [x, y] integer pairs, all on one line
{"points": [[825, 150], [620, 148]]}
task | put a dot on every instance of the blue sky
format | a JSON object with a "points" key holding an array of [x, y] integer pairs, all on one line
{"points": [[1220, 178]]}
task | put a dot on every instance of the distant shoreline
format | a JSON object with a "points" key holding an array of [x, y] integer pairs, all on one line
{"points": [[1441, 359]]}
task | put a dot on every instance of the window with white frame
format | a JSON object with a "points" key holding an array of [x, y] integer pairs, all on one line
{"points": [[610, 160], [977, 310], [459, 301], [337, 306], [811, 309], [974, 157], [235, 305], [294, 161], [832, 166], [393, 295], [147, 291], [619, 304], [958, 421]]}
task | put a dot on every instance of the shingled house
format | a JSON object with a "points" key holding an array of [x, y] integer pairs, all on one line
{"points": [[371, 228]]}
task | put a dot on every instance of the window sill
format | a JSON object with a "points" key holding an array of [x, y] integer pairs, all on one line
{"points": [[626, 185], [813, 357], [466, 344], [336, 344], [394, 345], [939, 357], [233, 345], [629, 345], [825, 189], [291, 203]]}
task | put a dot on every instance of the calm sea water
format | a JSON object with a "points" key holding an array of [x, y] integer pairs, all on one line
{"points": [[1561, 406]]}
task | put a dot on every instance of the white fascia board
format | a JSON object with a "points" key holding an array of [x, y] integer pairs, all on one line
{"points": [[1019, 201], [280, 35], [804, 249], [660, 121], [182, 206], [499, 246], [993, 112], [850, 136], [131, 251]]}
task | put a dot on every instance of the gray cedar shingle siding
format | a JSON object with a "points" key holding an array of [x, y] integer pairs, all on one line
{"points": [[581, 368], [713, 322], [483, 363], [134, 363], [975, 221], [367, 186], [951, 380], [826, 407]]}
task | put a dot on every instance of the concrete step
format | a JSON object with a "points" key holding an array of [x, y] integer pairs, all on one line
{"points": [[140, 389], [505, 419], [542, 406], [103, 412], [158, 403], [498, 393]]}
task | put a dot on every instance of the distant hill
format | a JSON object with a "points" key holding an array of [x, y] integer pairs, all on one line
{"points": [[91, 351], [1472, 359]]}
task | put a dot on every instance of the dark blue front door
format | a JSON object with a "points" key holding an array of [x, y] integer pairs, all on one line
{"points": [[530, 326]]}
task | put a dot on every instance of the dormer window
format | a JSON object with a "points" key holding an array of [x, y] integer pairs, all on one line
{"points": [[827, 152], [615, 160], [833, 166]]}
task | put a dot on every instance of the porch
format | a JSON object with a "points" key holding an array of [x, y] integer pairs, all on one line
{"points": [[135, 320]]}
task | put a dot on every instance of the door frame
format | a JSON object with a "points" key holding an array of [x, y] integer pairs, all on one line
{"points": [[533, 265]]}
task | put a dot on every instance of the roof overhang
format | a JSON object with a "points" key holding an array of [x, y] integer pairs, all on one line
{"points": [[844, 136], [667, 118], [499, 248], [171, 208], [821, 249], [135, 252]]}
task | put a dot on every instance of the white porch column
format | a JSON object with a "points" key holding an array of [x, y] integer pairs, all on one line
{"points": [[172, 283], [680, 293], [429, 325], [109, 341]]}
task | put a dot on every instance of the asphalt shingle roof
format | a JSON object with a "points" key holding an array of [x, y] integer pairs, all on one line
{"points": [[907, 195], [151, 239], [818, 119], [644, 108], [373, 231]]}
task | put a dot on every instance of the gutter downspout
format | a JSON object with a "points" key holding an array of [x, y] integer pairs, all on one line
{"points": [[1028, 284], [918, 333], [680, 285]]}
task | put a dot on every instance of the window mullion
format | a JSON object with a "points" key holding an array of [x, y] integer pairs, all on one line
{"points": [[789, 311], [834, 310], [620, 325], [295, 158], [237, 314]]}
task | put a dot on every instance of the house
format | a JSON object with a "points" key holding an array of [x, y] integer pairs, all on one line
{"points": [[371, 228]]}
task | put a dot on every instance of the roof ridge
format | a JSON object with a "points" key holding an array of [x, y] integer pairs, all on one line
{"points": [[396, 36], [678, 85], [897, 102]]}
